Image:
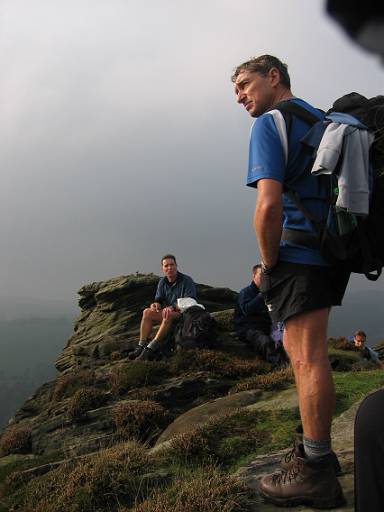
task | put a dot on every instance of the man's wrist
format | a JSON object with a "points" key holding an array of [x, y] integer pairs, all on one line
{"points": [[265, 269]]}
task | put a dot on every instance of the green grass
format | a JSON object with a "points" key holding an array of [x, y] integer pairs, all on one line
{"points": [[98, 482], [206, 489], [353, 386], [14, 463], [228, 442], [136, 374], [221, 440]]}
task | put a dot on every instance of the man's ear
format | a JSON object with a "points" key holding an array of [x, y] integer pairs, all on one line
{"points": [[274, 77]]}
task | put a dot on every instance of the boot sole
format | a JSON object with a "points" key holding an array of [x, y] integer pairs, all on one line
{"points": [[320, 503]]}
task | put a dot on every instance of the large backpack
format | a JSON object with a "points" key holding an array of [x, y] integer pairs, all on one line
{"points": [[355, 241], [196, 329]]}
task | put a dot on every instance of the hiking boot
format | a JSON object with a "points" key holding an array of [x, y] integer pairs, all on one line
{"points": [[287, 460], [148, 354], [307, 482], [136, 352]]}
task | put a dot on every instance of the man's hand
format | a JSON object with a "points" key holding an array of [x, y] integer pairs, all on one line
{"points": [[155, 307], [167, 312]]}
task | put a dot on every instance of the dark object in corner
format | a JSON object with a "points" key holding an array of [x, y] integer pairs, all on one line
{"points": [[362, 21]]}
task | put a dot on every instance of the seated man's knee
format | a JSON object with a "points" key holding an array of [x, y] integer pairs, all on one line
{"points": [[147, 313]]}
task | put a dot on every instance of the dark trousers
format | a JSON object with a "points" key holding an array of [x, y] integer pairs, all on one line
{"points": [[266, 347], [369, 454]]}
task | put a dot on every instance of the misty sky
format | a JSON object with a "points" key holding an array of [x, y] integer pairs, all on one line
{"points": [[121, 139]]}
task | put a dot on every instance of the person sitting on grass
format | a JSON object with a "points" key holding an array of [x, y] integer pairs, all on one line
{"points": [[254, 326], [163, 310], [359, 340]]}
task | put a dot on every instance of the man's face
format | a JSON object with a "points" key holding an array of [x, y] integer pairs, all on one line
{"points": [[169, 268], [255, 91], [359, 340]]}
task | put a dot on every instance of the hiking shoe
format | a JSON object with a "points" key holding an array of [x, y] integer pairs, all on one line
{"points": [[136, 352], [287, 460], [307, 482], [148, 354]]}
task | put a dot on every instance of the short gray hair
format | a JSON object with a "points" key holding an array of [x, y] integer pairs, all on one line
{"points": [[263, 65]]}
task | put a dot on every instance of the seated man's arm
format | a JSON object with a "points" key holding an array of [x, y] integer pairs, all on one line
{"points": [[190, 289], [251, 305], [374, 356], [159, 296]]}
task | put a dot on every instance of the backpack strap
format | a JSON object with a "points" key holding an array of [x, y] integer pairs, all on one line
{"points": [[283, 114], [289, 110], [299, 237], [296, 110]]}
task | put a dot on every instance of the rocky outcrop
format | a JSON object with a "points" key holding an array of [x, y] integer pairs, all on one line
{"points": [[78, 413], [111, 312], [107, 327]]}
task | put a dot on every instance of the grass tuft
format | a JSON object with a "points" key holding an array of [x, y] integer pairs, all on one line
{"points": [[137, 374], [103, 481], [218, 364], [221, 440], [340, 343], [207, 491], [139, 419], [84, 400], [69, 383], [275, 380], [15, 439]]}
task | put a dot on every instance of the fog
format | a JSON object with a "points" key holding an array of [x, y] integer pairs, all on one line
{"points": [[121, 139]]}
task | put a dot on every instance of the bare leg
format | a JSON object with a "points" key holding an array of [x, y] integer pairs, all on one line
{"points": [[150, 317], [166, 325], [305, 341]]}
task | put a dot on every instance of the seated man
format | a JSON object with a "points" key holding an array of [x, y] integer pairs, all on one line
{"points": [[359, 340], [163, 310], [253, 323]]}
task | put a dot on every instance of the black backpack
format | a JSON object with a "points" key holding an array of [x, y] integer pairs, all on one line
{"points": [[356, 242], [197, 328]]}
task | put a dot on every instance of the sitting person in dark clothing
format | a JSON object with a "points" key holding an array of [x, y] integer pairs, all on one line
{"points": [[163, 310], [254, 326]]}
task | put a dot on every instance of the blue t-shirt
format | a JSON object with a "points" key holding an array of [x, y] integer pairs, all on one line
{"points": [[167, 293], [267, 160]]}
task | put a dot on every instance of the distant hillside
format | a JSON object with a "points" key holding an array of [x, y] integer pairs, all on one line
{"points": [[28, 349], [16, 308]]}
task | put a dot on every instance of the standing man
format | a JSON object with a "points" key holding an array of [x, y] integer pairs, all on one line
{"points": [[174, 285], [298, 285]]}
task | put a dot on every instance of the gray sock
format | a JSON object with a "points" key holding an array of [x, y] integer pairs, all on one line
{"points": [[154, 345], [316, 449]]}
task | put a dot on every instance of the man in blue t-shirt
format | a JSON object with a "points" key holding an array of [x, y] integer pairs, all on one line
{"points": [[297, 284], [174, 285]]}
